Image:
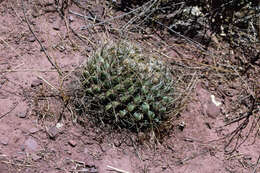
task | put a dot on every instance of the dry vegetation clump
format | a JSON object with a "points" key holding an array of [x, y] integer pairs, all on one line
{"points": [[235, 21]]}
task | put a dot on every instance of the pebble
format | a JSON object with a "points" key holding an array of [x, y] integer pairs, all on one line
{"points": [[4, 140], [212, 110], [31, 144], [31, 39], [72, 143], [86, 150], [56, 27], [211, 106], [53, 132], [71, 19], [21, 114], [33, 130], [36, 83], [68, 152], [35, 157], [90, 170]]}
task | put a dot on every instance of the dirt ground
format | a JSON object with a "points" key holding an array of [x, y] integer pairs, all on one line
{"points": [[38, 135]]}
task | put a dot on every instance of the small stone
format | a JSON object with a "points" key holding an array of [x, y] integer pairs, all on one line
{"points": [[211, 106], [86, 150], [31, 144], [21, 114], [4, 140], [33, 130], [181, 125], [53, 132], [68, 152], [35, 13], [56, 27], [35, 157], [59, 125], [92, 169], [71, 19], [212, 110], [31, 39], [72, 143], [36, 83], [67, 161]]}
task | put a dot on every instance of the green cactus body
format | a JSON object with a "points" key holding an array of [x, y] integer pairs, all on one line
{"points": [[129, 86]]}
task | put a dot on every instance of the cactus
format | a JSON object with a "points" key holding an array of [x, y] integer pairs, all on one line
{"points": [[123, 86]]}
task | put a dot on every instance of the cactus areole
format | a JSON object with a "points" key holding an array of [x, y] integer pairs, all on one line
{"points": [[125, 87]]}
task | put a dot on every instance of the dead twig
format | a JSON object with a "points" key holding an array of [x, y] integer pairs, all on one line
{"points": [[238, 131], [257, 164], [83, 16], [192, 157], [46, 54], [27, 70], [116, 169], [48, 83], [1, 116], [136, 150]]}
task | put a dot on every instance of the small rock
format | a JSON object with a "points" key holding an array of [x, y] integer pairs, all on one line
{"points": [[56, 27], [68, 152], [72, 143], [52, 150], [36, 83], [59, 125], [52, 19], [33, 130], [88, 49], [31, 39], [4, 140], [86, 150], [211, 106], [71, 19], [35, 13], [90, 169], [42, 41], [35, 157], [21, 114], [66, 161], [80, 150], [53, 132], [181, 125], [31, 144], [212, 110]]}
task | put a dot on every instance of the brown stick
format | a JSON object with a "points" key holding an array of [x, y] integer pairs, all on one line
{"points": [[48, 57], [1, 116]]}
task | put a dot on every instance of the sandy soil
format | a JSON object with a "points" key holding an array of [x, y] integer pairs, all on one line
{"points": [[32, 139]]}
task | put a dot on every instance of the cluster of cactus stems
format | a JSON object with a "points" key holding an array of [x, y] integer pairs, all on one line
{"points": [[126, 87]]}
